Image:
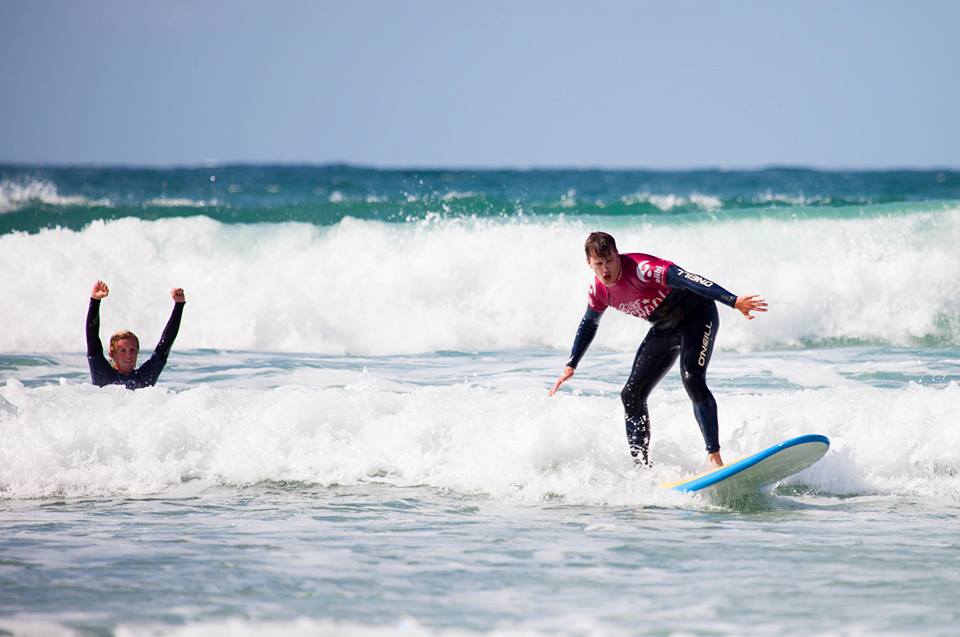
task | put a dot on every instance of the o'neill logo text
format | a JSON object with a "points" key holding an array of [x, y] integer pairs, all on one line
{"points": [[706, 343], [696, 278]]}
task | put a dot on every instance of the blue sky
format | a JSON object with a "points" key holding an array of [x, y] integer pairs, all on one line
{"points": [[482, 84]]}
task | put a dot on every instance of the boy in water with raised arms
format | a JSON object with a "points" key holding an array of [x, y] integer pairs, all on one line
{"points": [[681, 307], [125, 346]]}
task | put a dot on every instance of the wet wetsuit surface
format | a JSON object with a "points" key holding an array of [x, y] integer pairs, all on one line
{"points": [[681, 307], [103, 373]]}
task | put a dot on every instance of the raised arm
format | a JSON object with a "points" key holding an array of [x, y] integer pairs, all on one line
{"points": [[99, 292], [173, 324], [585, 333], [149, 373]]}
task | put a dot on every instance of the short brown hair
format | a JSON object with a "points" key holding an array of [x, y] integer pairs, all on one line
{"points": [[600, 243], [121, 335]]}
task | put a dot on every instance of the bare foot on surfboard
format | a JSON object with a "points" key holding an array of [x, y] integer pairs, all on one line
{"points": [[714, 461]]}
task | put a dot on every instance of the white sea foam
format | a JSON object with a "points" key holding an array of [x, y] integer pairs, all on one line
{"points": [[770, 197], [453, 195], [509, 445], [177, 202], [569, 199], [16, 194], [408, 627], [367, 287], [667, 203], [577, 624], [706, 202]]}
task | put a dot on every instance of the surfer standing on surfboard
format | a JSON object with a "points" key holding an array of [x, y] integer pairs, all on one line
{"points": [[125, 346], [681, 306]]}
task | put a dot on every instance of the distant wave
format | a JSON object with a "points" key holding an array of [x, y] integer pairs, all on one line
{"points": [[181, 202], [34, 198], [666, 203], [32, 214], [17, 194]]}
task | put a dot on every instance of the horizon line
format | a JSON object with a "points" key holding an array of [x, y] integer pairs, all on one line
{"points": [[467, 168]]}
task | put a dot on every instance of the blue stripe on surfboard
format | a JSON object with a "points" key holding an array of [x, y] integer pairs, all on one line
{"points": [[735, 468]]}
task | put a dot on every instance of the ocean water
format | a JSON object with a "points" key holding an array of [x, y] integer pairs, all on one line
{"points": [[352, 435]]}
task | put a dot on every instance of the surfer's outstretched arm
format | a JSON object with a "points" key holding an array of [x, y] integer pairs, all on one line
{"points": [[679, 278], [585, 334]]}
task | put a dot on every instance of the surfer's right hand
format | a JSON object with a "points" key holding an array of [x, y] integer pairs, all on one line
{"points": [[564, 376]]}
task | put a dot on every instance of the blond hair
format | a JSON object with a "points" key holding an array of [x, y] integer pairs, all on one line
{"points": [[119, 336]]}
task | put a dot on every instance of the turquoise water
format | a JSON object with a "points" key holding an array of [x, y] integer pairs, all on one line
{"points": [[302, 559], [352, 434], [39, 197]]}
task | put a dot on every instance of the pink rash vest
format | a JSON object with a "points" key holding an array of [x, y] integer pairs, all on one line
{"points": [[642, 286]]}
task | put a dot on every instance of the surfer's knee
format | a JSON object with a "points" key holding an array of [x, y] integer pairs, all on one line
{"points": [[627, 396], [634, 395], [634, 405]]}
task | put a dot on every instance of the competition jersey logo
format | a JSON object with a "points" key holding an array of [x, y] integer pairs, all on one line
{"points": [[643, 272], [650, 274], [642, 308]]}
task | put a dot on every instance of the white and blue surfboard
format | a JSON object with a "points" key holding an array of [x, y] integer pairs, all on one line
{"points": [[749, 475]]}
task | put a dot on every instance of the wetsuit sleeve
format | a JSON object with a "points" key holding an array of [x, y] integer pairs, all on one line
{"points": [[100, 371], [679, 278], [170, 331], [585, 334], [149, 373], [94, 346]]}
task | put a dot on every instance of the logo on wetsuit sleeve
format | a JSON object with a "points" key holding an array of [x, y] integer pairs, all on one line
{"points": [[696, 278]]}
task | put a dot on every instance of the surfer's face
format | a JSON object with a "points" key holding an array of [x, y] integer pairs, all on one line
{"points": [[124, 355], [607, 267]]}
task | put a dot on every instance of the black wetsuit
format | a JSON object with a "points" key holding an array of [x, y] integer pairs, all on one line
{"points": [[685, 326], [102, 373]]}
